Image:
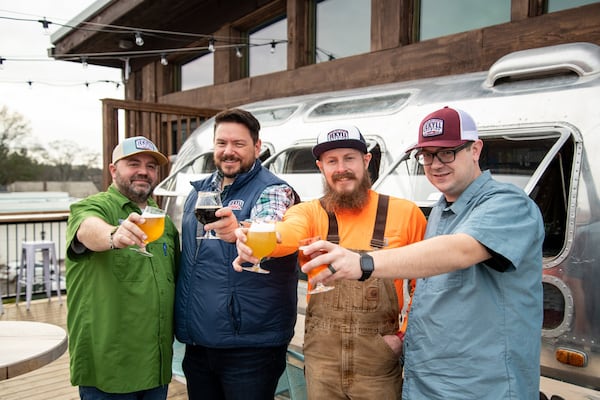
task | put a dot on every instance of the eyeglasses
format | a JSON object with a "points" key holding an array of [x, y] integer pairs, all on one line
{"points": [[445, 156]]}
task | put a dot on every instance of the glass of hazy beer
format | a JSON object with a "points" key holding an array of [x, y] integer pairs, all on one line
{"points": [[303, 259], [153, 227], [206, 205], [262, 239]]}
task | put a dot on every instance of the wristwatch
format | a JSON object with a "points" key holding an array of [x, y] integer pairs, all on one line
{"points": [[366, 266]]}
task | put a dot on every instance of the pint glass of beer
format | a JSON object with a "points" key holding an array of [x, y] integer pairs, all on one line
{"points": [[262, 239], [153, 227]]}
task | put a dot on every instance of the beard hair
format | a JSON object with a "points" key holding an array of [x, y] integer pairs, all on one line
{"points": [[243, 168], [354, 200], [125, 187]]}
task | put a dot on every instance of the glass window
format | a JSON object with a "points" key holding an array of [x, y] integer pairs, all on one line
{"points": [[558, 5], [266, 56], [197, 73], [343, 28], [442, 17]]}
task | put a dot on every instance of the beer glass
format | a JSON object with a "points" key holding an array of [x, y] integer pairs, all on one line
{"points": [[303, 259], [153, 227], [262, 239], [206, 205]]}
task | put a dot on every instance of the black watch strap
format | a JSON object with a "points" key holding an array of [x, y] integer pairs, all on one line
{"points": [[366, 266]]}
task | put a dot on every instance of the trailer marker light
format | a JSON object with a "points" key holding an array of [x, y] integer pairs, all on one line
{"points": [[571, 357]]}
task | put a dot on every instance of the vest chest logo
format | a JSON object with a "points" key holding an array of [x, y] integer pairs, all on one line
{"points": [[236, 205]]}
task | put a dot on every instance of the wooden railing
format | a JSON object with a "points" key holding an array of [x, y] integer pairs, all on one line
{"points": [[168, 126]]}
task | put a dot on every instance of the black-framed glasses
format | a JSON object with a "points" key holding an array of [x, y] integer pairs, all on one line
{"points": [[445, 156]]}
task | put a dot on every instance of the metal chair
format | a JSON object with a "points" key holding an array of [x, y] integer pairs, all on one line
{"points": [[27, 268], [292, 380]]}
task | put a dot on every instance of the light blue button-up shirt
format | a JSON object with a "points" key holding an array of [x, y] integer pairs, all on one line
{"points": [[475, 333]]}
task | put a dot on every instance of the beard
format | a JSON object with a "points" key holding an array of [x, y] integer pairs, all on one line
{"points": [[354, 200], [134, 193], [231, 174]]}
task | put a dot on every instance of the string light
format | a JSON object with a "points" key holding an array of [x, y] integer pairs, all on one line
{"points": [[84, 63], [139, 40], [45, 24], [126, 71], [238, 52], [163, 60], [30, 83], [138, 32], [2, 62]]}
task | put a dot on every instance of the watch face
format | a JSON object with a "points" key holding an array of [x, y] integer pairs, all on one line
{"points": [[366, 266]]}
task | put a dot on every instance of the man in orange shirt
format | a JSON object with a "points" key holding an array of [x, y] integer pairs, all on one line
{"points": [[352, 340]]}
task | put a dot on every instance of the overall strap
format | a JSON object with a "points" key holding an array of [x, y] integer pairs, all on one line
{"points": [[377, 239], [332, 233]]}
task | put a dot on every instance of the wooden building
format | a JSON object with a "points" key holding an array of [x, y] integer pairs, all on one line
{"points": [[156, 105]]}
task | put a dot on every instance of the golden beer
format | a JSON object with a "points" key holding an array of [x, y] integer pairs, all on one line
{"points": [[153, 227], [262, 243]]}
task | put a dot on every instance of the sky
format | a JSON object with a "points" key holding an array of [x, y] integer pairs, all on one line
{"points": [[57, 104]]}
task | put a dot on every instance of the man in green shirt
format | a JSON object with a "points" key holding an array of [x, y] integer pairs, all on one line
{"points": [[120, 302]]}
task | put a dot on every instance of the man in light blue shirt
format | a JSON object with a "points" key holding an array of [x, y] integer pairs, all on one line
{"points": [[475, 323]]}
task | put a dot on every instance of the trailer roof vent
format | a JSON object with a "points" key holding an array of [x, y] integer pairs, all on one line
{"points": [[353, 106], [572, 59]]}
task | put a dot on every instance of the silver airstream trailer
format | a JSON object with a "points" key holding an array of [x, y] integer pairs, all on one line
{"points": [[538, 112]]}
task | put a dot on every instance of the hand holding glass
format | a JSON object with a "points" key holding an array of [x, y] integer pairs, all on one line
{"points": [[153, 227], [303, 259], [206, 205], [262, 239]]}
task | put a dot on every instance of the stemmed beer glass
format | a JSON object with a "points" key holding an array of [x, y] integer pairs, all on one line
{"points": [[303, 259], [153, 227], [206, 205], [262, 239]]}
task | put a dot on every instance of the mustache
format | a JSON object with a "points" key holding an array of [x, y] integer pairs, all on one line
{"points": [[229, 158], [343, 175], [141, 178]]}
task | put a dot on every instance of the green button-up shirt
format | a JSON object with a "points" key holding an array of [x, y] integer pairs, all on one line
{"points": [[120, 304]]}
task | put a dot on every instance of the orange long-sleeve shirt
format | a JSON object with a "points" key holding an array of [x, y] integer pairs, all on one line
{"points": [[405, 224]]}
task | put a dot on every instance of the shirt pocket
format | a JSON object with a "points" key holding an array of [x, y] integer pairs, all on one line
{"points": [[125, 268], [444, 282]]}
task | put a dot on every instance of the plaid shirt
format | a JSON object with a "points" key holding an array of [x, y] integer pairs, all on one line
{"points": [[272, 203]]}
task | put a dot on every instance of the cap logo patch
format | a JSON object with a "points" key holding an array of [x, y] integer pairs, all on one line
{"points": [[144, 144], [338, 134], [433, 127]]}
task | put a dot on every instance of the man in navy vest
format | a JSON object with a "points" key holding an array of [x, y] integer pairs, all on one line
{"points": [[236, 327]]}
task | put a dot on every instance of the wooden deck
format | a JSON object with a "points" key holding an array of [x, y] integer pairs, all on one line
{"points": [[52, 380]]}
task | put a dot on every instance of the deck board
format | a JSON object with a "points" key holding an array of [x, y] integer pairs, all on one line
{"points": [[52, 380]]}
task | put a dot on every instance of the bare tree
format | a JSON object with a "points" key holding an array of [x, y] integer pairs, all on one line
{"points": [[15, 162], [66, 156]]}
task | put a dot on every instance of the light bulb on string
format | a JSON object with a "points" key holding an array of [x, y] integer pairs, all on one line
{"points": [[84, 63], [139, 40], [238, 52], [30, 83], [273, 47], [126, 70], [2, 62], [45, 24], [211, 45], [163, 60]]}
